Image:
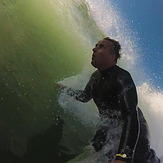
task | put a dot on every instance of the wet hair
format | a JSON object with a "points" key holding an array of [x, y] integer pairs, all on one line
{"points": [[116, 47]]}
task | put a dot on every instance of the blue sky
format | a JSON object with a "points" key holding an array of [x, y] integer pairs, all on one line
{"points": [[144, 17]]}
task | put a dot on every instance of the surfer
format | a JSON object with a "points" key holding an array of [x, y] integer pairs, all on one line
{"points": [[114, 92]]}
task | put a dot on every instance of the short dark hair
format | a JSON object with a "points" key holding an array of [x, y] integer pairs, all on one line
{"points": [[116, 47]]}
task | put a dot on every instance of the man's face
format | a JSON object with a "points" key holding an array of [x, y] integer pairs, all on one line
{"points": [[102, 55]]}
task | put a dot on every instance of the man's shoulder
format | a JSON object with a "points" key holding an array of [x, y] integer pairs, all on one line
{"points": [[95, 73], [123, 75], [122, 72]]}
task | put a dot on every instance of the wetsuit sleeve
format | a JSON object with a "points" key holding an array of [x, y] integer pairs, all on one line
{"points": [[131, 129], [83, 95]]}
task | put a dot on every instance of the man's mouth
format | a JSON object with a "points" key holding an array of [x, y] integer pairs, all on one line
{"points": [[93, 56]]}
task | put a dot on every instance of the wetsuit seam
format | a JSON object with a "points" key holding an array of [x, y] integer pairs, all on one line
{"points": [[138, 132]]}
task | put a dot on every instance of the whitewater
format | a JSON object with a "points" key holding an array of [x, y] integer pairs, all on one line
{"points": [[112, 24]]}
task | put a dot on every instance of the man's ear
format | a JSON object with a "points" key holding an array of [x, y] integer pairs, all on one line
{"points": [[114, 56]]}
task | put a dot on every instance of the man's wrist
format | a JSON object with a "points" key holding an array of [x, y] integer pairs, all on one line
{"points": [[122, 157], [126, 155]]}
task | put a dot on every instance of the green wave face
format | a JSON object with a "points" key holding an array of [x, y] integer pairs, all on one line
{"points": [[41, 42]]}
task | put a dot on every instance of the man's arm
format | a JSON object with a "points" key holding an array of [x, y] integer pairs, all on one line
{"points": [[131, 129], [80, 95]]}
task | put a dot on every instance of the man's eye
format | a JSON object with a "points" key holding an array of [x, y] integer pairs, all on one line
{"points": [[101, 46]]}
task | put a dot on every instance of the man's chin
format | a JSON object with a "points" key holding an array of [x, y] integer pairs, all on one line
{"points": [[93, 64]]}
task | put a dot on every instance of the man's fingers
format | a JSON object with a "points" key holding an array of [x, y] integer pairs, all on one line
{"points": [[60, 86]]}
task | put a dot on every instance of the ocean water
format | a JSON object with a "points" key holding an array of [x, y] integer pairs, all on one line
{"points": [[42, 43]]}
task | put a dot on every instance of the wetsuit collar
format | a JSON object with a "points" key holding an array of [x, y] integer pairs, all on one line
{"points": [[108, 71]]}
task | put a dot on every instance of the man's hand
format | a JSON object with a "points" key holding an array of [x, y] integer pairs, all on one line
{"points": [[61, 86], [118, 161]]}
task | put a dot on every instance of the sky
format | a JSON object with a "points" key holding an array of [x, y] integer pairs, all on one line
{"points": [[144, 17]]}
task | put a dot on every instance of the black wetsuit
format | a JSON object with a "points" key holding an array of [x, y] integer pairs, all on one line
{"points": [[114, 90]]}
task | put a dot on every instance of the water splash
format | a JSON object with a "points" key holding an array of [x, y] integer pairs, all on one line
{"points": [[151, 103]]}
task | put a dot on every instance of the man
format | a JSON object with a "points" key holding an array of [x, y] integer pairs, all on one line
{"points": [[114, 93]]}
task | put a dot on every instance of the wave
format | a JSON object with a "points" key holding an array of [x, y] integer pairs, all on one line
{"points": [[46, 41]]}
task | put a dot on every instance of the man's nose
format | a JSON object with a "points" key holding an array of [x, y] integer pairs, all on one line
{"points": [[94, 49]]}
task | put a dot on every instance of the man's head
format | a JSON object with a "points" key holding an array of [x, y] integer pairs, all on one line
{"points": [[105, 53]]}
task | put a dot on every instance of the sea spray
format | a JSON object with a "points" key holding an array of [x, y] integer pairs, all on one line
{"points": [[151, 103]]}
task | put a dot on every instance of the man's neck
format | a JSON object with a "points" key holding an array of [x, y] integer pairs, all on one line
{"points": [[106, 67]]}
